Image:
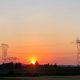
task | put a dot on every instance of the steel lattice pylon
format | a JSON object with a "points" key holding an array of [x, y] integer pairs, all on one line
{"points": [[78, 51], [4, 52]]}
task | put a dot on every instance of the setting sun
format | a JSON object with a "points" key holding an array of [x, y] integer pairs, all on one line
{"points": [[33, 62]]}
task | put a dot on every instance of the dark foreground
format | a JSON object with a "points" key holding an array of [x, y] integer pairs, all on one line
{"points": [[20, 70], [43, 78]]}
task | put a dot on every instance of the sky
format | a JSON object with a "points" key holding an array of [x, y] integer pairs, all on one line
{"points": [[44, 29]]}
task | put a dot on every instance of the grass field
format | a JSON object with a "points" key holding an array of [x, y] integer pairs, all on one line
{"points": [[42, 78]]}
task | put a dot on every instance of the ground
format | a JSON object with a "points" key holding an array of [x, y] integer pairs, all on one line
{"points": [[43, 78]]}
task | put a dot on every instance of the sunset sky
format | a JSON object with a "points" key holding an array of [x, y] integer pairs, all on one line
{"points": [[43, 29]]}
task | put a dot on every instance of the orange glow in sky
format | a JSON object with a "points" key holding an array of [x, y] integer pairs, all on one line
{"points": [[40, 28]]}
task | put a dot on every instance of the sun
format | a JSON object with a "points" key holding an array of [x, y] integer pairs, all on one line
{"points": [[33, 61]]}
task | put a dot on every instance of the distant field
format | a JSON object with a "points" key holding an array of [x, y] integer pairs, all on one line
{"points": [[43, 78]]}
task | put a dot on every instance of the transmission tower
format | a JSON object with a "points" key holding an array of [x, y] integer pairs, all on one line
{"points": [[4, 52], [78, 50]]}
